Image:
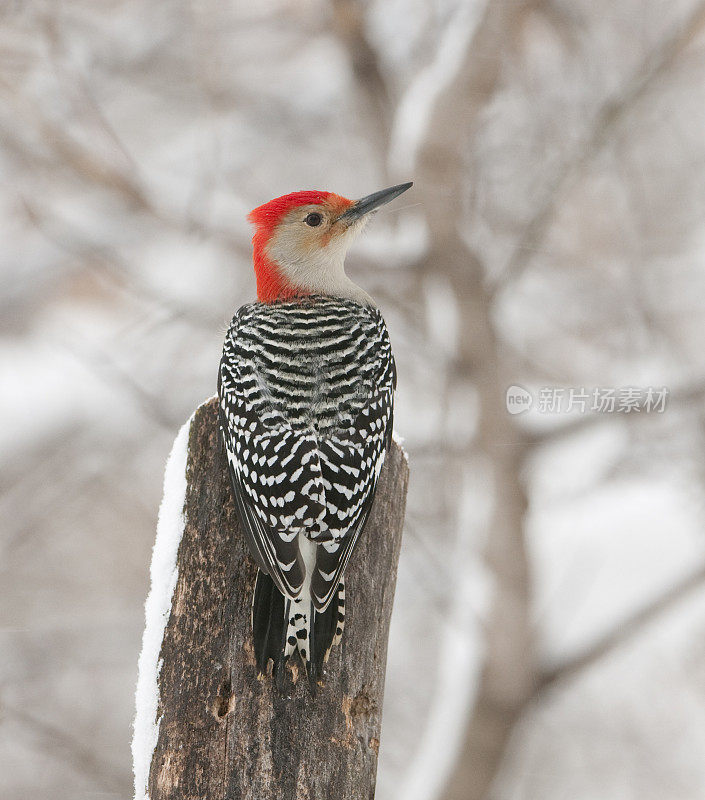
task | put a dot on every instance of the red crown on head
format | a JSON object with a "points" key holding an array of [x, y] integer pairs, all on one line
{"points": [[269, 214]]}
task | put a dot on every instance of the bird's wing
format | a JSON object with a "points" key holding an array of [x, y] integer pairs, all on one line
{"points": [[350, 467], [274, 470]]}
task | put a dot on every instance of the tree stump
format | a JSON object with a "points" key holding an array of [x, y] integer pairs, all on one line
{"points": [[215, 729]]}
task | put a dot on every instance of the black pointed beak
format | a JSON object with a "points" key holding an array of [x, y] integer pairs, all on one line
{"points": [[366, 204]]}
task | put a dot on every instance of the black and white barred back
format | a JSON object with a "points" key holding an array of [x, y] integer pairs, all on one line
{"points": [[306, 391]]}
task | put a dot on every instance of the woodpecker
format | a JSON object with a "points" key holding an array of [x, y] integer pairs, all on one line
{"points": [[306, 396]]}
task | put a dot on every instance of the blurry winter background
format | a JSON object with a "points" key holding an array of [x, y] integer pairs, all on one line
{"points": [[548, 638]]}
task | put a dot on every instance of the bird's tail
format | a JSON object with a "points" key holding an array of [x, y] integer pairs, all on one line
{"points": [[282, 627]]}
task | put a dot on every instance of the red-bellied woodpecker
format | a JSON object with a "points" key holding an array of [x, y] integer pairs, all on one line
{"points": [[306, 390]]}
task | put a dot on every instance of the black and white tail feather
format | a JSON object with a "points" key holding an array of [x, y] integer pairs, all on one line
{"points": [[306, 390], [283, 627]]}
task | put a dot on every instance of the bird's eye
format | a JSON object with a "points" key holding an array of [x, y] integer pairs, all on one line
{"points": [[314, 219]]}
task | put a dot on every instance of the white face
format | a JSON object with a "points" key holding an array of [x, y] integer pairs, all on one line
{"points": [[309, 247]]}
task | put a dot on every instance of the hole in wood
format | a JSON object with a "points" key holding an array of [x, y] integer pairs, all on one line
{"points": [[225, 701]]}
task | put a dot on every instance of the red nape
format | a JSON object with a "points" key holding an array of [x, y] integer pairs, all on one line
{"points": [[271, 286]]}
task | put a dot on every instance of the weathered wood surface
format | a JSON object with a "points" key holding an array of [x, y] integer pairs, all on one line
{"points": [[226, 734]]}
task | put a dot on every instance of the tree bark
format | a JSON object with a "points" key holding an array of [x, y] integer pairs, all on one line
{"points": [[226, 732]]}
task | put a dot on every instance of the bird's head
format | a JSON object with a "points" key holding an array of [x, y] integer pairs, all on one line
{"points": [[301, 239]]}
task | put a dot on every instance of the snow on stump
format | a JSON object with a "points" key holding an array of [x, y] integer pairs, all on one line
{"points": [[207, 727]]}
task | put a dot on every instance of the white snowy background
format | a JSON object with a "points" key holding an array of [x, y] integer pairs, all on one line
{"points": [[548, 638]]}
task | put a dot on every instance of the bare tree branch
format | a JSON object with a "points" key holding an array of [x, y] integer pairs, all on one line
{"points": [[605, 123], [106, 261], [62, 745], [349, 25], [679, 398], [507, 674], [91, 167], [622, 633], [101, 362]]}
